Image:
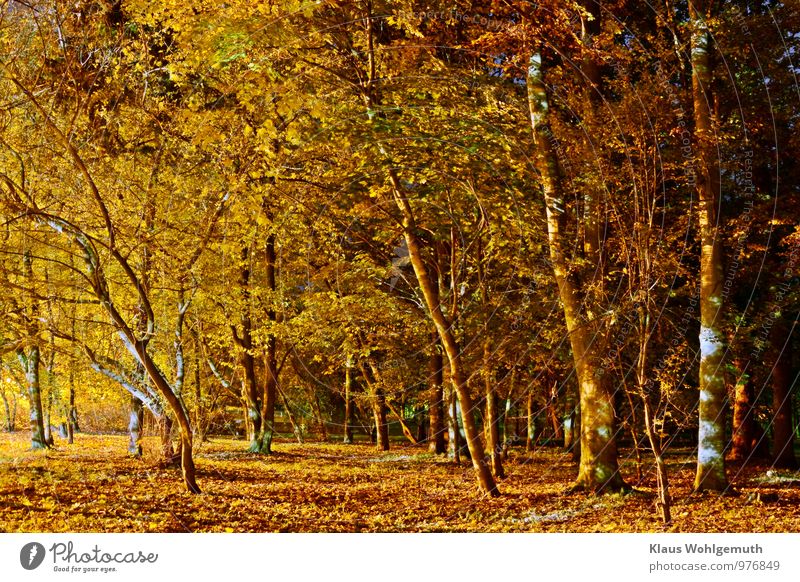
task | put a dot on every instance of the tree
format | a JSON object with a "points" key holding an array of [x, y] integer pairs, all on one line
{"points": [[711, 439]]}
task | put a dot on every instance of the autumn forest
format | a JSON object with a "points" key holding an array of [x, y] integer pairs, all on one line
{"points": [[381, 266]]}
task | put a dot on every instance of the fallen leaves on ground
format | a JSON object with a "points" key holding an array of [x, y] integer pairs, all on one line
{"points": [[94, 486]]}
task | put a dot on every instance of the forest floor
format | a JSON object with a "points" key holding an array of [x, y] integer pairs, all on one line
{"points": [[93, 486]]}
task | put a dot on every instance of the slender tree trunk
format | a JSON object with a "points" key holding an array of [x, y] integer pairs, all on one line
{"points": [[782, 387], [165, 433], [492, 415], [552, 407], [530, 441], [201, 418], [252, 401], [247, 424], [436, 440], [378, 402], [711, 438], [30, 360], [348, 401], [664, 503], [53, 393], [422, 424], [572, 429], [445, 330], [453, 429], [632, 427], [265, 436], [298, 433], [444, 327], [492, 418], [379, 413], [323, 430], [184, 426], [506, 415], [135, 427], [9, 421], [48, 431], [72, 411], [270, 391], [244, 341], [403, 424], [598, 469], [742, 445]]}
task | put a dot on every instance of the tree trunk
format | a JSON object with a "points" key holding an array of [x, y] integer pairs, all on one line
{"points": [[571, 430], [379, 413], [403, 425], [552, 408], [48, 426], [530, 441], [348, 401], [264, 436], [422, 424], [187, 461], [664, 503], [30, 360], [168, 455], [72, 411], [298, 432], [244, 341], [436, 432], [742, 445], [201, 417], [135, 427], [598, 469], [711, 438], [492, 414], [453, 429], [378, 403], [506, 437], [782, 384], [444, 328], [323, 430], [267, 431], [9, 421], [252, 401]]}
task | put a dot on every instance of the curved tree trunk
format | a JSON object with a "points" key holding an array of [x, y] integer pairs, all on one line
{"points": [[187, 460], [445, 330]]}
